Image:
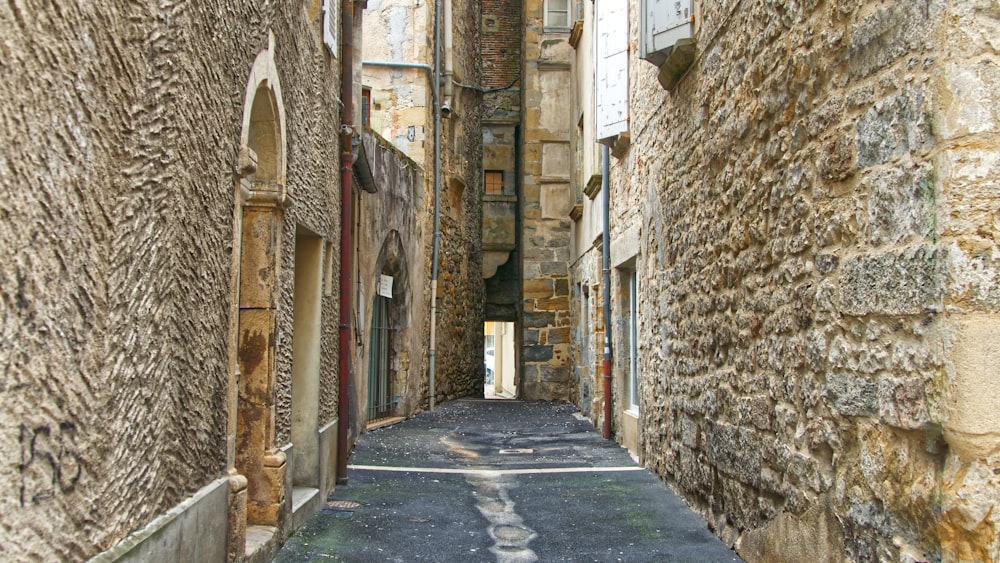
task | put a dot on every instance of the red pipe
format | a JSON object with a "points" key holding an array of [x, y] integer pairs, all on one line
{"points": [[346, 200]]}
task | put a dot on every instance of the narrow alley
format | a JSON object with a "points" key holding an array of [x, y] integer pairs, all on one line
{"points": [[479, 480]]}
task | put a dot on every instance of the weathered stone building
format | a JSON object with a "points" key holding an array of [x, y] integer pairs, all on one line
{"points": [[398, 79], [804, 241]]}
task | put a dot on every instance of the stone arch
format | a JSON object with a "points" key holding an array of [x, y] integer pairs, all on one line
{"points": [[391, 262], [257, 467]]}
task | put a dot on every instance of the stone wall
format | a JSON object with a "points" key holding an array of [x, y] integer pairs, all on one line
{"points": [[392, 238], [459, 364], [545, 236], [818, 275], [121, 127]]}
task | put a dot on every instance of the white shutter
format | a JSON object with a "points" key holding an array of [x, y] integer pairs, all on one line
{"points": [[664, 23], [611, 61], [330, 27]]}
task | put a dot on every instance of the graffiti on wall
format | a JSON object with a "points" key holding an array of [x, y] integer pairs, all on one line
{"points": [[49, 462]]}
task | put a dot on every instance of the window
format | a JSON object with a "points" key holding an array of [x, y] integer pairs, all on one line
{"points": [[557, 13], [494, 182], [330, 31], [631, 318]]}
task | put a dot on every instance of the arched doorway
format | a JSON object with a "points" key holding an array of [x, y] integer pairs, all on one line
{"points": [[257, 468], [388, 383]]}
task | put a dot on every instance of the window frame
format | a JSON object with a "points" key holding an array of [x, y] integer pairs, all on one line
{"points": [[487, 183], [548, 11], [631, 284]]}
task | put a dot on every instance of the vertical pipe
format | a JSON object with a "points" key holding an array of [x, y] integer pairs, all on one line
{"points": [[346, 199], [606, 260], [435, 90], [449, 69]]}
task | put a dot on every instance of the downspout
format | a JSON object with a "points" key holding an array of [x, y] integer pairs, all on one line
{"points": [[435, 89], [346, 245], [394, 64], [606, 259], [449, 68]]}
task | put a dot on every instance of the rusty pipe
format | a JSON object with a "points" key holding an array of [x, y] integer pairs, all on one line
{"points": [[606, 260], [346, 200]]}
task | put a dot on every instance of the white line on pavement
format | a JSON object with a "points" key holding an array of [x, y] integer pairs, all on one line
{"points": [[457, 471]]}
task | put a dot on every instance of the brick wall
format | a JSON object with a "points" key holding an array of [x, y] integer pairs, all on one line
{"points": [[501, 42]]}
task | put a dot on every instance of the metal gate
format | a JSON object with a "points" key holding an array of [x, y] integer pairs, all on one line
{"points": [[380, 404]]}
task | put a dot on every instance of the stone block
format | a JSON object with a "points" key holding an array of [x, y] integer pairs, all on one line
{"points": [[837, 159], [559, 335], [538, 288], [893, 127], [258, 262], [901, 205], [690, 432], [537, 353], [852, 395], [756, 411], [902, 281], [734, 451], [553, 374], [975, 91], [973, 424], [889, 33], [901, 403], [554, 304]]}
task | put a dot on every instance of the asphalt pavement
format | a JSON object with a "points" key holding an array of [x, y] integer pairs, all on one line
{"points": [[505, 481]]}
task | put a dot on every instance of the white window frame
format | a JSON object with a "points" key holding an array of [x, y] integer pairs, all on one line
{"points": [[632, 326], [331, 26], [549, 11]]}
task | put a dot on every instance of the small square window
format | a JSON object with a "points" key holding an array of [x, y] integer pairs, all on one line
{"points": [[494, 182], [557, 13]]}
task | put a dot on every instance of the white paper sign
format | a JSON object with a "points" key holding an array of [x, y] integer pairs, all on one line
{"points": [[385, 286]]}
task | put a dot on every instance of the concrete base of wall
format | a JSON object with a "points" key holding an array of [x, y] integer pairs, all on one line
{"points": [[194, 530], [327, 459], [305, 503], [630, 431]]}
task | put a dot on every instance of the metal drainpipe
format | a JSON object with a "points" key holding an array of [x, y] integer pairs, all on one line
{"points": [[435, 89], [346, 200], [606, 259], [448, 64], [394, 64]]}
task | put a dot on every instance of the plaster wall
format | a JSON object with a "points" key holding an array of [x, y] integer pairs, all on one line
{"points": [[117, 235]]}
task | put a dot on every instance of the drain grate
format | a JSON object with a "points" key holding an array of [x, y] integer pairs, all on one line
{"points": [[517, 451], [342, 505]]}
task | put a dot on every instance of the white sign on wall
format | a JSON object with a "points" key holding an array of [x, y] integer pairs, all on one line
{"points": [[611, 67], [385, 286]]}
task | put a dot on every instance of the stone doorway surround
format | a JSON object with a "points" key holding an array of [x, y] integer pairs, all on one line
{"points": [[256, 467]]}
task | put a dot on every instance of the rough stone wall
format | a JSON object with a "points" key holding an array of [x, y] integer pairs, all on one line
{"points": [[121, 127], [392, 214], [818, 270], [459, 352], [545, 204]]}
